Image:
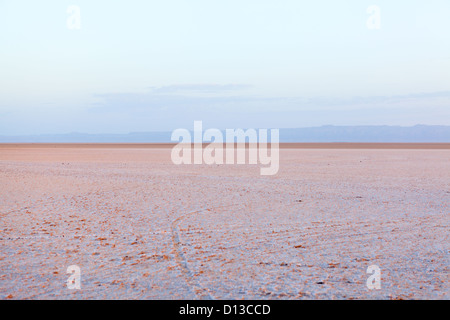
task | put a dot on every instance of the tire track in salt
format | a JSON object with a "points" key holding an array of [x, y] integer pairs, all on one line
{"points": [[201, 292], [180, 258]]}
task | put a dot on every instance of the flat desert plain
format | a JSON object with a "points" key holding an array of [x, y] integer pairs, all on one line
{"points": [[140, 227]]}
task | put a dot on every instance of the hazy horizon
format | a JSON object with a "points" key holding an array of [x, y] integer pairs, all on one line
{"points": [[326, 133]]}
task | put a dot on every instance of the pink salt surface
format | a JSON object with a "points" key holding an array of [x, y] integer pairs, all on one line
{"points": [[140, 227]]}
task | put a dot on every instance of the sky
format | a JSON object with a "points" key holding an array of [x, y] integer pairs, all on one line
{"points": [[110, 66]]}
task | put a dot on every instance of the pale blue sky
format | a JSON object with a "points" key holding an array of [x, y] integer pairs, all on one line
{"points": [[160, 65]]}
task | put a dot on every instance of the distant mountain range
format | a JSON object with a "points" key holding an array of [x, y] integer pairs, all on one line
{"points": [[418, 133]]}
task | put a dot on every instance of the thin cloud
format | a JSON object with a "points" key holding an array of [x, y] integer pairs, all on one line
{"points": [[178, 99], [199, 88]]}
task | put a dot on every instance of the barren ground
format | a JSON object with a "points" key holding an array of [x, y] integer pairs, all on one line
{"points": [[140, 227]]}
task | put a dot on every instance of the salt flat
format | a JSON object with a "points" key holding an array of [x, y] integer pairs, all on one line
{"points": [[140, 227]]}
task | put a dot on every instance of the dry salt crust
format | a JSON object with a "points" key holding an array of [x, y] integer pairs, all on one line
{"points": [[140, 227]]}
